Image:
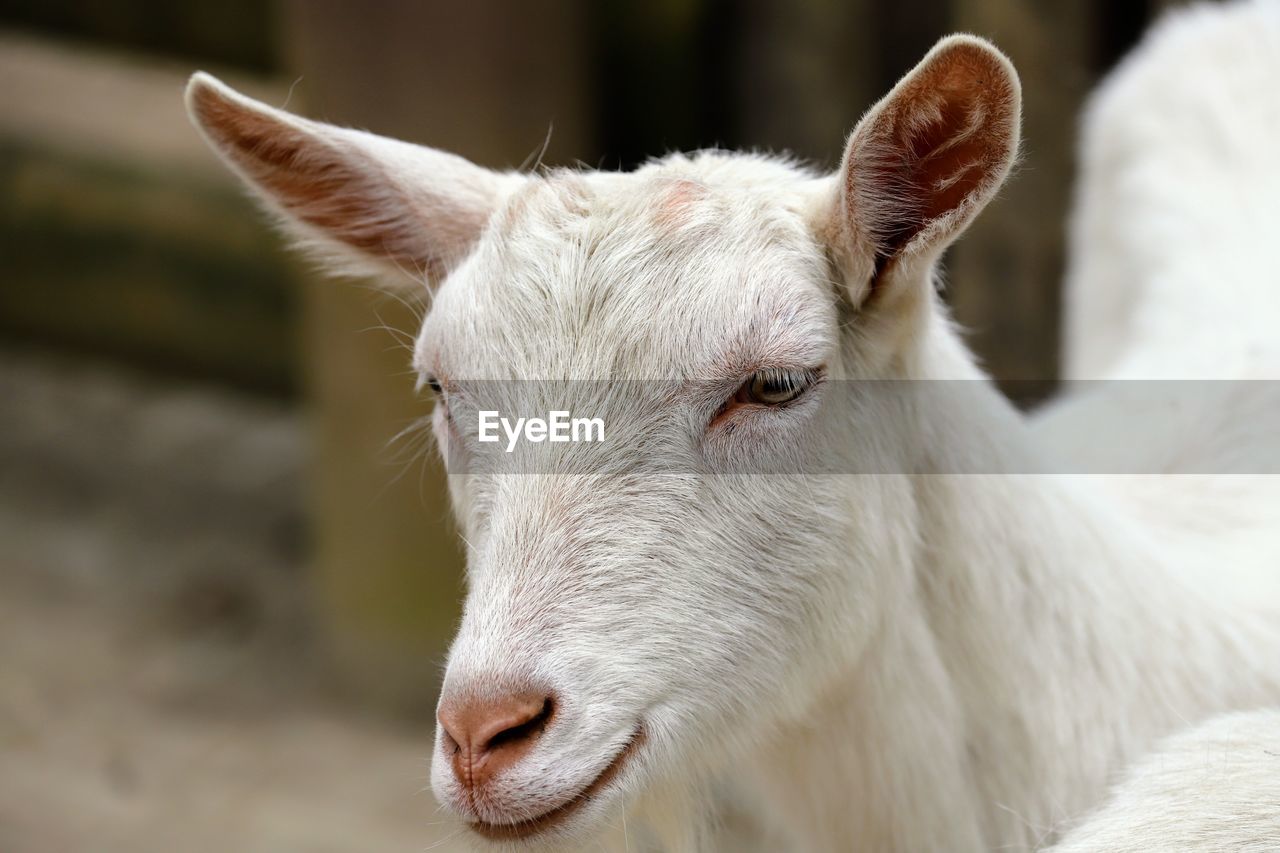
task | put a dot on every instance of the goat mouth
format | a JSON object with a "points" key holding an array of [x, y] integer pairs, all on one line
{"points": [[529, 827]]}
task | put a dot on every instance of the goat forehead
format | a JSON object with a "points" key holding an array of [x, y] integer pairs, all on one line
{"points": [[651, 273]]}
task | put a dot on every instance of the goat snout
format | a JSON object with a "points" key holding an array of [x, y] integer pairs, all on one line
{"points": [[485, 736]]}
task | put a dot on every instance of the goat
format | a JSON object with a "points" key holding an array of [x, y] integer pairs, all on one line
{"points": [[946, 651]]}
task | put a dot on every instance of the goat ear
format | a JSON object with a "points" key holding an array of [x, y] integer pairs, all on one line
{"points": [[925, 159], [366, 204]]}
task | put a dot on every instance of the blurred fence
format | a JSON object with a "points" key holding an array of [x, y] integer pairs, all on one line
{"points": [[123, 238]]}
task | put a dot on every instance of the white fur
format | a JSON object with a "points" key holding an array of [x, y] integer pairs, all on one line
{"points": [[923, 660], [1171, 261], [1211, 789]]}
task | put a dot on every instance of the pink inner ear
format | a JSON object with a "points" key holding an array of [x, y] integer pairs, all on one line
{"points": [[939, 144], [336, 191]]}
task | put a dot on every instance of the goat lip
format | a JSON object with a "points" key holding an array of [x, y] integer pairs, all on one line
{"points": [[557, 816]]}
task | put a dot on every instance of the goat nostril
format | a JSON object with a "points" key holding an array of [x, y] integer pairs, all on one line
{"points": [[522, 731]]}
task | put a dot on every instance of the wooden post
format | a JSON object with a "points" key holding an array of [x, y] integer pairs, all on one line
{"points": [[806, 71], [1005, 274], [486, 80]]}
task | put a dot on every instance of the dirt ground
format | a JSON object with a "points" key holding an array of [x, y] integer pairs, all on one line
{"points": [[159, 684]]}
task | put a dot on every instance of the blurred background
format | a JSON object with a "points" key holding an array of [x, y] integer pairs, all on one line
{"points": [[225, 593]]}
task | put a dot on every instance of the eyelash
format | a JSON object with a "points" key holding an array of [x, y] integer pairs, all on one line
{"points": [[775, 386], [794, 385]]}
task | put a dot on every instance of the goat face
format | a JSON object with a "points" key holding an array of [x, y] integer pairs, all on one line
{"points": [[642, 609], [639, 605]]}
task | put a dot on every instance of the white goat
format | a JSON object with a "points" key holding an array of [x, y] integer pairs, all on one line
{"points": [[662, 651]]}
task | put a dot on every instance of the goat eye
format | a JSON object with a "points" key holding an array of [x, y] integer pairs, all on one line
{"points": [[773, 387]]}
